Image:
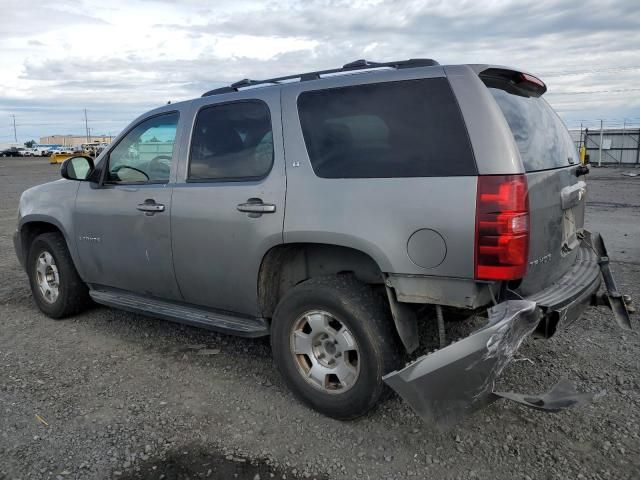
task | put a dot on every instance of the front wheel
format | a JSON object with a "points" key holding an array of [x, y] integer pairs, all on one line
{"points": [[56, 286], [333, 340]]}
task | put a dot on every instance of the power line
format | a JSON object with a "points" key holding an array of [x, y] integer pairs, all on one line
{"points": [[49, 124], [567, 73], [586, 92]]}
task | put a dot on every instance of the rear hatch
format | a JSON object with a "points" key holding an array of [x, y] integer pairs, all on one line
{"points": [[556, 195]]}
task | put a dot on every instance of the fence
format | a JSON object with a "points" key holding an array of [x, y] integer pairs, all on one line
{"points": [[619, 146]]}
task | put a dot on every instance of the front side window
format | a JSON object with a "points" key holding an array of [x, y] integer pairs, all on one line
{"points": [[232, 141], [144, 154], [410, 128]]}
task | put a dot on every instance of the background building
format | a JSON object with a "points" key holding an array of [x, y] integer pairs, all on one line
{"points": [[71, 140], [4, 145]]}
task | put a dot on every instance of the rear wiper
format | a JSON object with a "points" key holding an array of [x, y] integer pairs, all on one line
{"points": [[582, 170]]}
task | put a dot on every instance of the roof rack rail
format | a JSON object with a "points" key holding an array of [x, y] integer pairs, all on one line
{"points": [[361, 64]]}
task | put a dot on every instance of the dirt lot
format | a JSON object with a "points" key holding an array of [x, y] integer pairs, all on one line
{"points": [[111, 394]]}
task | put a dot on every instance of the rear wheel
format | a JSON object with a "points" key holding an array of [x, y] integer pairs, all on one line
{"points": [[333, 340], [56, 286]]}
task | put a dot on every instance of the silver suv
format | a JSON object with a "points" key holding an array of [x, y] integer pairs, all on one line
{"points": [[339, 212]]}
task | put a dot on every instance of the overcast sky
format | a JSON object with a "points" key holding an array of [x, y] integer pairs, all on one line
{"points": [[119, 58]]}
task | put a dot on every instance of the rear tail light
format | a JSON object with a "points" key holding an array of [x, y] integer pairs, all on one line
{"points": [[502, 227]]}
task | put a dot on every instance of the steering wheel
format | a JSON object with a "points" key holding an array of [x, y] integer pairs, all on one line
{"points": [[157, 165], [121, 167]]}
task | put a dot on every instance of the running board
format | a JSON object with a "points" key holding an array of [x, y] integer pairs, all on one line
{"points": [[216, 321]]}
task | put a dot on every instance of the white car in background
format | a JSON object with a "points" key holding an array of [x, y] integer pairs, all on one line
{"points": [[41, 151], [62, 150], [31, 152]]}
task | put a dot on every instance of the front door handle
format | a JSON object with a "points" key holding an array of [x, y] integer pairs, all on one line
{"points": [[255, 205], [150, 207]]}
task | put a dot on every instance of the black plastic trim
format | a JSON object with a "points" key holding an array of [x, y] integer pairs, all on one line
{"points": [[219, 321]]}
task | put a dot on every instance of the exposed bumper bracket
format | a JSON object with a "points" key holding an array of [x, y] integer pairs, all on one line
{"points": [[616, 301]]}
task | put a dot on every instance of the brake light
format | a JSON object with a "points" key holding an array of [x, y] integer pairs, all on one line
{"points": [[533, 86], [502, 227], [525, 77]]}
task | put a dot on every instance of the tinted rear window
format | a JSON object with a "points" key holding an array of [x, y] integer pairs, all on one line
{"points": [[398, 129], [542, 138]]}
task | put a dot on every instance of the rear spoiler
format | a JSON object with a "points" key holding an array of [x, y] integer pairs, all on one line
{"points": [[512, 81]]}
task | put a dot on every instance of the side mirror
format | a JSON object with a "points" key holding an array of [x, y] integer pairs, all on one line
{"points": [[76, 168]]}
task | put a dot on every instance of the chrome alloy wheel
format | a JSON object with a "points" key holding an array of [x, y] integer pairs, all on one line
{"points": [[47, 277], [325, 352]]}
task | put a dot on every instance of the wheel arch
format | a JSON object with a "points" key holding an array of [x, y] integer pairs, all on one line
{"points": [[286, 265], [33, 225]]}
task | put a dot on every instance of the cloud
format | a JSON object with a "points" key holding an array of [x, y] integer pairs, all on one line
{"points": [[41, 16], [141, 54]]}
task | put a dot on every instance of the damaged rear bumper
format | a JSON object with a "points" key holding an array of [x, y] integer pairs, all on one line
{"points": [[444, 386]]}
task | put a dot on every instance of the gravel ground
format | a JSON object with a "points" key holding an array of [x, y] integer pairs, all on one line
{"points": [[110, 394]]}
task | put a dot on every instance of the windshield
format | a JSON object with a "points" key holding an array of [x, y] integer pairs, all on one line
{"points": [[542, 138]]}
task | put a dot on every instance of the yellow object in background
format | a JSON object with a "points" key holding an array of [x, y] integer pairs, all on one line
{"points": [[61, 157]]}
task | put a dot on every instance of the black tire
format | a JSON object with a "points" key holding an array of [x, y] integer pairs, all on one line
{"points": [[73, 293], [368, 319]]}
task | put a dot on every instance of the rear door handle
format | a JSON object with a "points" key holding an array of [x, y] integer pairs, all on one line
{"points": [[150, 207], [253, 206]]}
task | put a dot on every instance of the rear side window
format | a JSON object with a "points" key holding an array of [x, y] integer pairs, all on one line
{"points": [[542, 138], [232, 141], [398, 129]]}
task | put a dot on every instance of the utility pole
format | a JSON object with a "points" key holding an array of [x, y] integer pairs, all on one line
{"points": [[637, 149], [624, 127], [580, 139], [587, 157], [86, 124], [15, 134], [600, 149]]}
